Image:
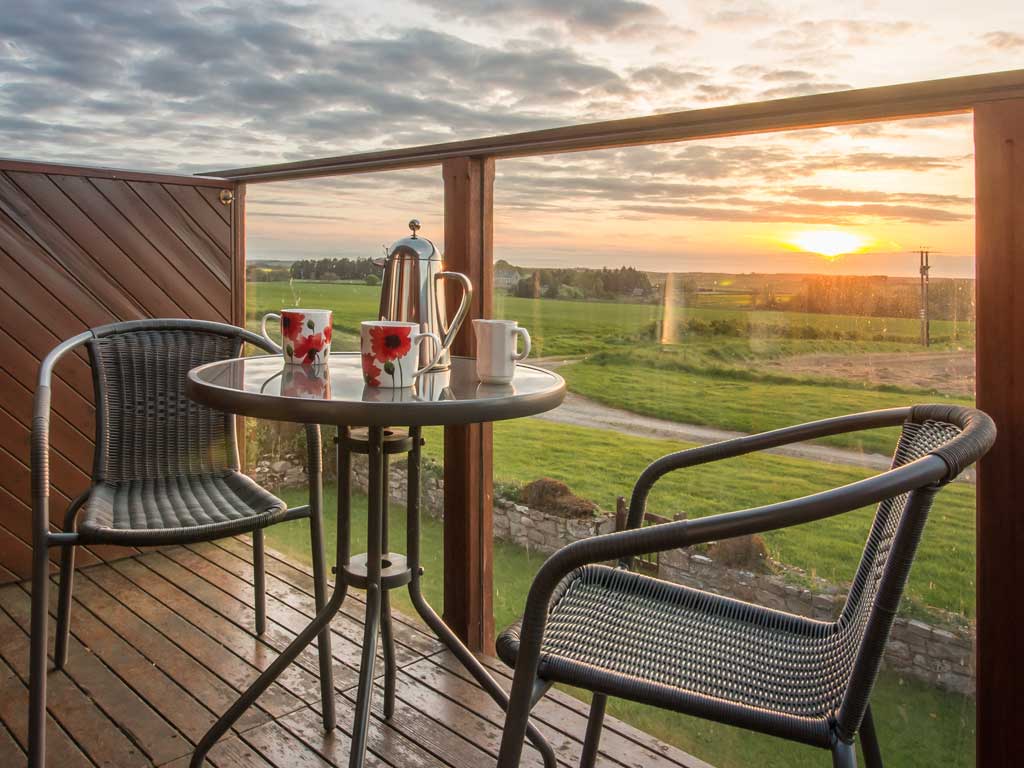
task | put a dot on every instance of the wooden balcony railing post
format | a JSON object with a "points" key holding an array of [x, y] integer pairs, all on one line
{"points": [[999, 248], [468, 476]]}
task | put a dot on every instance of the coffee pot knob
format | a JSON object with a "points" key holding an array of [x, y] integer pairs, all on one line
{"points": [[414, 225]]}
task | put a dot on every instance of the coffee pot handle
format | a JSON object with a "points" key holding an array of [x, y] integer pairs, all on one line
{"points": [[448, 335]]}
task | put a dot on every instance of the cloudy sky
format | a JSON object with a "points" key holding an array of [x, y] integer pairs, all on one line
{"points": [[190, 86]]}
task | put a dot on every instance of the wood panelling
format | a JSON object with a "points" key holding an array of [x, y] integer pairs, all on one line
{"points": [[999, 175], [81, 247]]}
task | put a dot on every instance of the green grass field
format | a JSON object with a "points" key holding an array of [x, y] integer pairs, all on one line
{"points": [[723, 400], [576, 327], [601, 465], [917, 725]]}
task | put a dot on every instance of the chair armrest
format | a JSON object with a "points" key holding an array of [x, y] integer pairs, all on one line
{"points": [[39, 451], [740, 446]]}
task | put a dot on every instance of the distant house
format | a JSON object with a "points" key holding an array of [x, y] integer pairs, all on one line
{"points": [[505, 277]]}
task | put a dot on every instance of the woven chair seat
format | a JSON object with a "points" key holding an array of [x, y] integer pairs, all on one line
{"points": [[633, 636], [177, 510]]}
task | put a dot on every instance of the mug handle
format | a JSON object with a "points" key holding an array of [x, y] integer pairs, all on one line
{"points": [[525, 335], [419, 338], [263, 328]]}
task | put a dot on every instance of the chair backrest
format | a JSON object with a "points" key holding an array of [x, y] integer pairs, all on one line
{"points": [[146, 426], [881, 577]]}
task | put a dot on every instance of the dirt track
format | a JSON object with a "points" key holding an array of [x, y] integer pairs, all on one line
{"points": [[951, 373]]}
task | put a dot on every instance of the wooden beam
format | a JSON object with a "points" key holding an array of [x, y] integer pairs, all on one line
{"points": [[33, 166], [468, 476], [890, 102], [999, 182]]}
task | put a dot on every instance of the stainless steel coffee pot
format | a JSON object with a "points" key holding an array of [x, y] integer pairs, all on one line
{"points": [[413, 290]]}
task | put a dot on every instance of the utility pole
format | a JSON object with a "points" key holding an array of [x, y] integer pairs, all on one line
{"points": [[925, 266]]}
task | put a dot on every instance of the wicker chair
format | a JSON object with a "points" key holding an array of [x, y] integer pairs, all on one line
{"points": [[619, 633], [165, 471]]}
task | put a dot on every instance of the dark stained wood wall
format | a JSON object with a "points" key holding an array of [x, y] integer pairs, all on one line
{"points": [[81, 247]]}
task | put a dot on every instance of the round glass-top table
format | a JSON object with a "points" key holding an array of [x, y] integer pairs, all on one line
{"points": [[265, 387]]}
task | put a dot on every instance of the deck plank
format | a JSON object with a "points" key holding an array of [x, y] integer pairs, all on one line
{"points": [[78, 714], [132, 714], [207, 687], [14, 714], [200, 579], [163, 642]]}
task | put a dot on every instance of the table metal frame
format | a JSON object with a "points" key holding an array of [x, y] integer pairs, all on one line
{"points": [[378, 618]]}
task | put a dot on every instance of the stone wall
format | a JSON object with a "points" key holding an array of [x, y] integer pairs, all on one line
{"points": [[939, 653]]}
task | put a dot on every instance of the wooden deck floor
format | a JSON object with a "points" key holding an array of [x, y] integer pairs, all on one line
{"points": [[162, 643]]}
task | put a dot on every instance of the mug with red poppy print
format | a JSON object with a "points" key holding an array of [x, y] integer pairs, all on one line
{"points": [[305, 335], [391, 350]]}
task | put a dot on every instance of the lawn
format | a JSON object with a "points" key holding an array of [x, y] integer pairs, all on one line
{"points": [[917, 725], [562, 327], [740, 401], [601, 465]]}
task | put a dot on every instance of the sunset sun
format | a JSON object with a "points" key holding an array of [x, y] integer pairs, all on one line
{"points": [[829, 243]]}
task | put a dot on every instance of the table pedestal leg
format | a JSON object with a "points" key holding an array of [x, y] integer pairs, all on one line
{"points": [[429, 615], [377, 507]]}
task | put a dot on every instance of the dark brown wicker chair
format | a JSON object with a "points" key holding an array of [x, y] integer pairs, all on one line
{"points": [[165, 471], [619, 633]]}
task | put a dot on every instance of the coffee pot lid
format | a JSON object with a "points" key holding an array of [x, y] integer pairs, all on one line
{"points": [[420, 247]]}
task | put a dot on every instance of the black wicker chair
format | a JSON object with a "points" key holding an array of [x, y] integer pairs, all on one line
{"points": [[165, 471], [619, 633]]}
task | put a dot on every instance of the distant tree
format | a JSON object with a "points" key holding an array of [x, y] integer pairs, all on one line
{"points": [[372, 280]]}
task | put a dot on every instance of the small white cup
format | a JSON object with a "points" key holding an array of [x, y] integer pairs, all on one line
{"points": [[496, 354], [391, 351]]}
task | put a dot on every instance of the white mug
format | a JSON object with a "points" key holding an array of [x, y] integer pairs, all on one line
{"points": [[496, 355], [305, 335], [390, 352]]}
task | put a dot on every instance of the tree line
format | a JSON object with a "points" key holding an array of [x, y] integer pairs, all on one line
{"points": [[948, 298], [333, 269], [584, 284]]}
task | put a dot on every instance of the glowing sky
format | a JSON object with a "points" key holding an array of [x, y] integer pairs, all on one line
{"points": [[191, 86]]}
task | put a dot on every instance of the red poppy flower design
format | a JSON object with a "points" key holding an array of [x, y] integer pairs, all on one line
{"points": [[291, 324], [308, 348], [389, 343], [370, 371], [328, 331]]}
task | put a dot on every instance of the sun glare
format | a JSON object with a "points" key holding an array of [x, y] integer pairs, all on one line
{"points": [[830, 243]]}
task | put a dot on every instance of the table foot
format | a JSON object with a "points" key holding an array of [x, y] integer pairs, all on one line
{"points": [[475, 668], [387, 637], [270, 674], [364, 695]]}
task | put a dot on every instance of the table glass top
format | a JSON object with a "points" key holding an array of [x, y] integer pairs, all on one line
{"points": [[247, 385]]}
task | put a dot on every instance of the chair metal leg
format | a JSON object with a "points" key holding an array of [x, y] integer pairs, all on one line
{"points": [[594, 725], [259, 578], [844, 755], [390, 666], [869, 741], [316, 537], [67, 577], [37, 652]]}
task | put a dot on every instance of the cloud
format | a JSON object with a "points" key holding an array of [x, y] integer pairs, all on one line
{"points": [[803, 213], [251, 84], [601, 17], [831, 36], [1004, 41]]}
